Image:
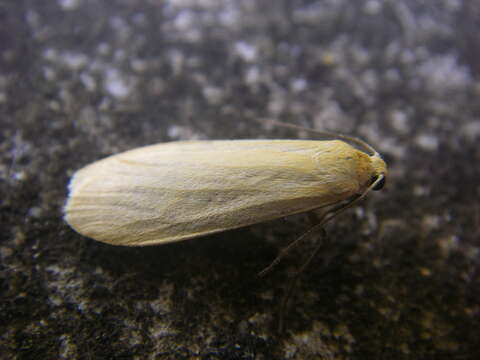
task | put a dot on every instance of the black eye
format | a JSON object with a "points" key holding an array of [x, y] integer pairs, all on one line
{"points": [[380, 184]]}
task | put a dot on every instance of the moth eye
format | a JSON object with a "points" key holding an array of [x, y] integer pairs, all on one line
{"points": [[380, 184]]}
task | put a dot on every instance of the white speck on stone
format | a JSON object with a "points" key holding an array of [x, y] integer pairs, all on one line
{"points": [[252, 75], [370, 79], [105, 104], [453, 5], [421, 190], [391, 51], [156, 86], [472, 253], [184, 20], [430, 222], [55, 300], [50, 54], [471, 130], [104, 49], [68, 4], [444, 72], [427, 142], [277, 104], [392, 75], [176, 60], [19, 176], [139, 19], [18, 237], [399, 121], [67, 348], [407, 56], [119, 55], [88, 81], [361, 55], [200, 78], [130, 335], [311, 13], [246, 51], [359, 290], [116, 84], [5, 252], [190, 3], [35, 212], [372, 7], [70, 59], [331, 117], [229, 17], [55, 106], [449, 244], [422, 53], [267, 295], [161, 306], [118, 23], [298, 85], [74, 61], [164, 303], [49, 73], [33, 19], [393, 146], [175, 131], [82, 306], [160, 330], [213, 94], [139, 65]]}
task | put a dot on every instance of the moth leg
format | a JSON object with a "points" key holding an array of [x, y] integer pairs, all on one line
{"points": [[314, 217], [294, 279], [319, 224], [284, 252], [329, 215]]}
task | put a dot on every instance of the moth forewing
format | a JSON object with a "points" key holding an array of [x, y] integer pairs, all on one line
{"points": [[181, 190]]}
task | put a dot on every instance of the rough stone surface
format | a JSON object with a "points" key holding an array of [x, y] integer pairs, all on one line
{"points": [[399, 278]]}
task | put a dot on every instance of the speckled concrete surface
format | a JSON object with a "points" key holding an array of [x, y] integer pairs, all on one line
{"points": [[81, 79]]}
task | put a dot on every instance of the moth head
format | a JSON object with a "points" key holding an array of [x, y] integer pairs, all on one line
{"points": [[379, 171]]}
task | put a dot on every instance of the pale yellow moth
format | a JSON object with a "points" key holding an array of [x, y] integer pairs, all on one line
{"points": [[180, 190]]}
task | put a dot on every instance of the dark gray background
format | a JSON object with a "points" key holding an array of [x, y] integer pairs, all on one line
{"points": [[80, 80]]}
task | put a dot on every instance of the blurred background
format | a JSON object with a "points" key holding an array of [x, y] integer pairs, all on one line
{"points": [[83, 79]]}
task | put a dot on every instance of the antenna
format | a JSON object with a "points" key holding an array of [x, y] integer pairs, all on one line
{"points": [[352, 139]]}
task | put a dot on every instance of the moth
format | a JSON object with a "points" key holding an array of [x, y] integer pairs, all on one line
{"points": [[181, 190]]}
